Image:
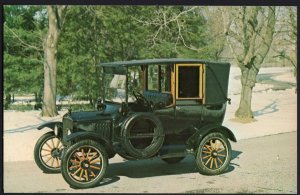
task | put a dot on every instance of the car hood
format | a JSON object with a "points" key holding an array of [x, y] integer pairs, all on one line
{"points": [[109, 113]]}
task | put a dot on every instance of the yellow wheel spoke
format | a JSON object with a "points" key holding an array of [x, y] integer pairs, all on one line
{"points": [[74, 166], [77, 156], [61, 146], [46, 150], [88, 154], [57, 162], [86, 176], [207, 146], [208, 160], [81, 172], [74, 161], [46, 155], [205, 157], [94, 167], [82, 151], [93, 157], [216, 163], [92, 173], [206, 152], [52, 163], [220, 160], [57, 144], [52, 143], [48, 145], [221, 149], [48, 159], [77, 171], [95, 161], [211, 162], [221, 155]]}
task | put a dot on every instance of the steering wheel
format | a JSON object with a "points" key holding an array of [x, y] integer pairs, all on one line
{"points": [[140, 98]]}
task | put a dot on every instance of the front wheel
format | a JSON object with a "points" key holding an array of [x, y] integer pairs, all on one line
{"points": [[47, 153], [84, 164], [214, 154]]}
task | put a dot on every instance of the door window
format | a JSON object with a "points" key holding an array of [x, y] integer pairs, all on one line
{"points": [[189, 81]]}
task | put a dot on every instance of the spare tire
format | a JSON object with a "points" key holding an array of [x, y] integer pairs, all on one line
{"points": [[142, 135]]}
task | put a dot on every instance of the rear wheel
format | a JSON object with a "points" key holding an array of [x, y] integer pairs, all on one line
{"points": [[214, 154], [173, 160], [47, 153], [84, 164]]}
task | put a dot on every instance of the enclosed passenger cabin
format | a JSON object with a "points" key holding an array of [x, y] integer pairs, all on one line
{"points": [[185, 94], [192, 88]]}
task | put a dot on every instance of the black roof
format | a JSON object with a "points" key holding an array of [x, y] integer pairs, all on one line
{"points": [[152, 61]]}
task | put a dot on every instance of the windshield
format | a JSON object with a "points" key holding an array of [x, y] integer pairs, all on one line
{"points": [[115, 85]]}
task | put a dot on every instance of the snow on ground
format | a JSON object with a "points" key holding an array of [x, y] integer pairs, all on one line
{"points": [[275, 112]]}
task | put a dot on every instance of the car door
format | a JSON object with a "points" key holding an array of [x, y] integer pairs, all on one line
{"points": [[189, 90]]}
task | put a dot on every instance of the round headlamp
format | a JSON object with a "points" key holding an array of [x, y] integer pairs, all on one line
{"points": [[55, 130]]}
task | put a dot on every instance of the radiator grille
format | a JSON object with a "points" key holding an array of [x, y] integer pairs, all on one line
{"points": [[67, 124], [103, 128]]}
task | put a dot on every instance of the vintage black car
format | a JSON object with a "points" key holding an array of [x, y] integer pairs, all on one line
{"points": [[166, 108]]}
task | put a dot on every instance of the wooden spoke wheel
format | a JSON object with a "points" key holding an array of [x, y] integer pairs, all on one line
{"points": [[84, 164], [47, 152], [214, 154]]}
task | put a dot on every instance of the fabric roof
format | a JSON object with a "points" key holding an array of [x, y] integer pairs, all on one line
{"points": [[151, 61]]}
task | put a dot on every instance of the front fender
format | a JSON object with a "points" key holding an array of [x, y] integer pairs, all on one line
{"points": [[84, 135], [81, 135], [200, 133], [50, 125]]}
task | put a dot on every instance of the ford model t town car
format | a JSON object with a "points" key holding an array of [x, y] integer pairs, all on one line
{"points": [[166, 108]]}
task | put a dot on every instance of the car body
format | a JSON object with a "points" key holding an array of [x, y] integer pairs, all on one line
{"points": [[166, 108]]}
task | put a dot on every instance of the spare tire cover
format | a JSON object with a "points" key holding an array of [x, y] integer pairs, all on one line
{"points": [[142, 135]]}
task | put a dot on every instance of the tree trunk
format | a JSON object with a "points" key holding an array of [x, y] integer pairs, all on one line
{"points": [[244, 110], [255, 35], [248, 80], [7, 101], [50, 48]]}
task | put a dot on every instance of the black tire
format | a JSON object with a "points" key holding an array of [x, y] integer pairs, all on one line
{"points": [[84, 164], [150, 142], [173, 160], [214, 154], [47, 152]]}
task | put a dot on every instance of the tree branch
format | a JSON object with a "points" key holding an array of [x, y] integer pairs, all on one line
{"points": [[22, 42]]}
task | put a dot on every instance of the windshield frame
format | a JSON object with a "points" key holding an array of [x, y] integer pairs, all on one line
{"points": [[114, 71]]}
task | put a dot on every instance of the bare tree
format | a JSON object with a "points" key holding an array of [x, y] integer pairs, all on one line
{"points": [[285, 41], [214, 28], [55, 22], [249, 32], [163, 18]]}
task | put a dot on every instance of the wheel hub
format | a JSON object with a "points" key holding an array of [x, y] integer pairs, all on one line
{"points": [[55, 152], [214, 154], [85, 164]]}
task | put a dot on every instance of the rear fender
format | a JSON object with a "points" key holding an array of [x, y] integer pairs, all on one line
{"points": [[202, 132]]}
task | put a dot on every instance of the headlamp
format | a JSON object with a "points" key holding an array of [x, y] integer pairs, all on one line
{"points": [[55, 130]]}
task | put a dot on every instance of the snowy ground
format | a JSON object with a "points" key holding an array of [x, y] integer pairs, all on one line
{"points": [[274, 104]]}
